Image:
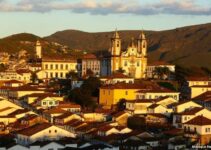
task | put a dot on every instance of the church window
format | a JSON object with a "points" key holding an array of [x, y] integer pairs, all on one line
{"points": [[117, 44]]}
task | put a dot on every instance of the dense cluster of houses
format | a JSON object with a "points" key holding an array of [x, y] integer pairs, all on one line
{"points": [[132, 112], [153, 116]]}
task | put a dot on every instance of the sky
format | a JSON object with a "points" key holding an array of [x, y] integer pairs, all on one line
{"points": [[45, 17]]}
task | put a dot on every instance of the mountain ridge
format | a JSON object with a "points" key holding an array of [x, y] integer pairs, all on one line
{"points": [[188, 46]]}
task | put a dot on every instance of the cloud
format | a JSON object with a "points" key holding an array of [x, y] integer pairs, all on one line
{"points": [[105, 7]]}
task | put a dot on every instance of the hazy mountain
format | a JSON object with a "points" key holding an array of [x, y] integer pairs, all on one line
{"points": [[188, 46]]}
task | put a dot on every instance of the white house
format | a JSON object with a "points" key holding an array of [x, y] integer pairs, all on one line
{"points": [[41, 132]]}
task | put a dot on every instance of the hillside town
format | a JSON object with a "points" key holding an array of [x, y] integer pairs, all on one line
{"points": [[110, 101]]}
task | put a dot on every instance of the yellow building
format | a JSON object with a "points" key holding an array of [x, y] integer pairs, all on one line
{"points": [[197, 90], [52, 66], [58, 67], [111, 94], [133, 61]]}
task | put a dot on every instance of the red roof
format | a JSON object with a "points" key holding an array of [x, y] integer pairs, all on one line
{"points": [[58, 58], [206, 97], [34, 129], [201, 78], [158, 63], [117, 75], [199, 120], [192, 111], [122, 85], [89, 56], [22, 71], [12, 81]]}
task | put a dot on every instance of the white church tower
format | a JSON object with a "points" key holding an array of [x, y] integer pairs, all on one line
{"points": [[38, 49]]}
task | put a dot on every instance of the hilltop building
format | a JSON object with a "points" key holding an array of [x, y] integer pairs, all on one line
{"points": [[133, 61], [38, 49]]}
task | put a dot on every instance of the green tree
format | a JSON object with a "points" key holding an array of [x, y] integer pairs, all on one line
{"points": [[121, 104], [89, 73], [72, 75], [34, 77], [91, 85]]}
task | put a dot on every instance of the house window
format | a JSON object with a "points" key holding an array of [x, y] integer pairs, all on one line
{"points": [[56, 66], [51, 66], [126, 92], [49, 131], [67, 67], [138, 63], [55, 131], [61, 66], [44, 103], [46, 66], [50, 103]]}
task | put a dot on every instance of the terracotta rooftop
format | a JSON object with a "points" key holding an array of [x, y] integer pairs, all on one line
{"points": [[192, 111], [34, 129], [27, 88], [156, 90], [43, 94], [89, 56], [65, 115], [29, 117], [68, 105], [22, 71], [12, 81], [117, 75], [205, 97], [198, 78], [153, 106], [59, 59], [5, 109], [122, 85], [105, 128], [181, 102], [55, 111], [157, 115], [19, 111], [158, 63], [36, 65], [118, 114], [199, 120]]}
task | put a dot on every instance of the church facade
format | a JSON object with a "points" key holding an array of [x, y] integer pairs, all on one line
{"points": [[133, 61]]}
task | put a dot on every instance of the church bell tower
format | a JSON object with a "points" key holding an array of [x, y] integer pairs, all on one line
{"points": [[38, 49], [142, 44]]}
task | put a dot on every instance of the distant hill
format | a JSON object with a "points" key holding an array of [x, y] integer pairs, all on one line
{"points": [[26, 41], [187, 46]]}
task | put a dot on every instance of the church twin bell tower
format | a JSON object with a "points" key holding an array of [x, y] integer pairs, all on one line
{"points": [[133, 61]]}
